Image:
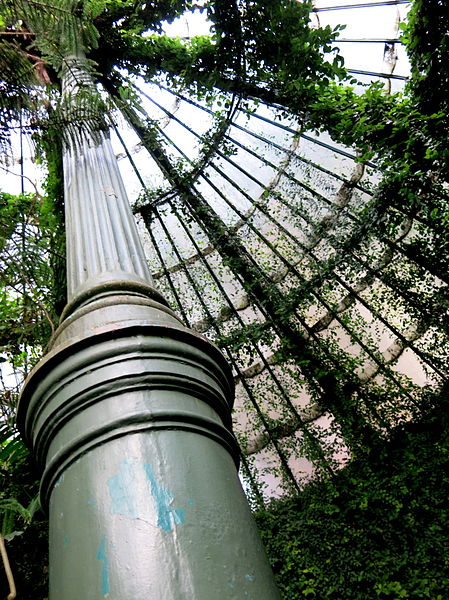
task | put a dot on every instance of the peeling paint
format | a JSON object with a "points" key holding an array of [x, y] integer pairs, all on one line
{"points": [[66, 541], [102, 555]]}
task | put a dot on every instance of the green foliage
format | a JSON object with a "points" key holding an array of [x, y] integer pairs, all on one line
{"points": [[271, 44], [24, 527], [12, 448], [377, 530], [12, 209], [11, 509], [137, 17], [58, 28], [18, 497], [25, 320], [255, 47], [26, 310], [425, 36]]}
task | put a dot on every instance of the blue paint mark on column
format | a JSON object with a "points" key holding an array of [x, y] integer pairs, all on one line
{"points": [[126, 490], [121, 488], [166, 514], [102, 555]]}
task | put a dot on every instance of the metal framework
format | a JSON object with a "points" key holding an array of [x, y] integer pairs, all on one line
{"points": [[292, 200]]}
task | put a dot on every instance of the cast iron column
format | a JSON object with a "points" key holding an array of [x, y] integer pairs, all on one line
{"points": [[129, 415]]}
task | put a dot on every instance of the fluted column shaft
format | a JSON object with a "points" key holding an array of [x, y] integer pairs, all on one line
{"points": [[129, 416], [103, 245], [103, 242]]}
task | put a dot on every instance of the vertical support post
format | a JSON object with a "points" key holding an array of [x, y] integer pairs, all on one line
{"points": [[129, 415]]}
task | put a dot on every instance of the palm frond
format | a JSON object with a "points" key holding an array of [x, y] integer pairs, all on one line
{"points": [[12, 448], [56, 28]]}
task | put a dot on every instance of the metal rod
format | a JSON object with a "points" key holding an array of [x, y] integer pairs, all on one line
{"points": [[8, 572], [377, 74], [368, 41], [362, 5]]}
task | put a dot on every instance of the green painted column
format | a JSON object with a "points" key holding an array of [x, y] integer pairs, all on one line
{"points": [[129, 415]]}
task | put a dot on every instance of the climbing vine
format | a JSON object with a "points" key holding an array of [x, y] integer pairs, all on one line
{"points": [[376, 531]]}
